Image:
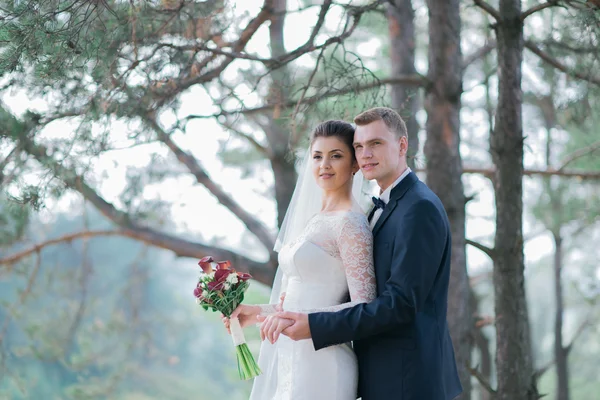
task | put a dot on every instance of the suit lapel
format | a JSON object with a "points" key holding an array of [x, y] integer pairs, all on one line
{"points": [[397, 193]]}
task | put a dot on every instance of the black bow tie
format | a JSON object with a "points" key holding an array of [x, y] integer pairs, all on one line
{"points": [[378, 202]]}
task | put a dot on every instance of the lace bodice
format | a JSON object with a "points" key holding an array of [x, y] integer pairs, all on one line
{"points": [[333, 257]]}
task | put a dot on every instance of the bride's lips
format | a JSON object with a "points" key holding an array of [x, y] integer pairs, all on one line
{"points": [[326, 176], [368, 167]]}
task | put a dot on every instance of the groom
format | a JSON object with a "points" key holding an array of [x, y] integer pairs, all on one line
{"points": [[401, 338]]}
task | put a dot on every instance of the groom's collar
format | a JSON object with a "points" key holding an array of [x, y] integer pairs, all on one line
{"points": [[396, 194], [400, 189], [386, 194]]}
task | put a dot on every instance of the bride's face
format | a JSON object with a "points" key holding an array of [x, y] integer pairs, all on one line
{"points": [[333, 163]]}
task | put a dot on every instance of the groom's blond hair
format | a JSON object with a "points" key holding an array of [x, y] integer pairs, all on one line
{"points": [[390, 118]]}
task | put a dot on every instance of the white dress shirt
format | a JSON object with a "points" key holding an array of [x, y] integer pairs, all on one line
{"points": [[385, 196]]}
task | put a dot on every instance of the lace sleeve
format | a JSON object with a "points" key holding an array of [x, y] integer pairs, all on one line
{"points": [[266, 309], [355, 243]]}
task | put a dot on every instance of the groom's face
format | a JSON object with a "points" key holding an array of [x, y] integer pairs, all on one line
{"points": [[380, 153]]}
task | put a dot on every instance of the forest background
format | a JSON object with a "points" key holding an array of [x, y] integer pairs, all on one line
{"points": [[139, 136]]}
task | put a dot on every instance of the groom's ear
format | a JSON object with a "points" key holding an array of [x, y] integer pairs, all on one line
{"points": [[403, 145]]}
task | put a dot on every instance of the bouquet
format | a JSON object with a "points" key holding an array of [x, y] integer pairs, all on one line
{"points": [[221, 288]]}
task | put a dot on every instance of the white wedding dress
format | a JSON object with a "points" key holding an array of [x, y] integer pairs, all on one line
{"points": [[331, 259]]}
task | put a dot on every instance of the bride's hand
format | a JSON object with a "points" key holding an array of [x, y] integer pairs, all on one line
{"points": [[279, 307], [272, 326], [246, 314]]}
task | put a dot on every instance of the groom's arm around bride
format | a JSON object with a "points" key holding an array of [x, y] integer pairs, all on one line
{"points": [[418, 250]]}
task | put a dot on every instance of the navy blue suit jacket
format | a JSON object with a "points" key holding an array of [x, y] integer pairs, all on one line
{"points": [[401, 338]]}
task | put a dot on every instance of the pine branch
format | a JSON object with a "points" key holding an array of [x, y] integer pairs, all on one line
{"points": [[31, 279], [489, 172], [490, 252], [236, 51], [585, 224], [415, 80], [572, 49], [294, 134], [586, 322], [539, 7], [583, 5], [543, 369], [320, 21], [7, 159], [481, 379], [489, 9], [217, 51], [62, 239], [256, 227], [559, 65], [584, 175], [263, 272], [479, 53], [265, 151], [354, 17], [309, 46], [579, 154], [166, 95]]}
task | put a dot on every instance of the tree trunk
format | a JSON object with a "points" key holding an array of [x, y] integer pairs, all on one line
{"points": [[444, 165], [560, 352], [285, 180], [514, 364], [278, 129], [400, 15], [482, 343], [546, 105]]}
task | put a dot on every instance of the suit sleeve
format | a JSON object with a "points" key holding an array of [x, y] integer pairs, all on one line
{"points": [[418, 250]]}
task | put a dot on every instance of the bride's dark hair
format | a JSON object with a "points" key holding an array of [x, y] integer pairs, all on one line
{"points": [[335, 128]]}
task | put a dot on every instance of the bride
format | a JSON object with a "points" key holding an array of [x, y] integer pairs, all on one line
{"points": [[325, 257]]}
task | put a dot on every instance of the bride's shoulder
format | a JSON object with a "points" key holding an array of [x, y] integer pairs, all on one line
{"points": [[344, 219], [353, 218], [351, 227], [355, 215]]}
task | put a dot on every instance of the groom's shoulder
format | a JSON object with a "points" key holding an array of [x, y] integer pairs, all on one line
{"points": [[420, 191], [422, 195]]}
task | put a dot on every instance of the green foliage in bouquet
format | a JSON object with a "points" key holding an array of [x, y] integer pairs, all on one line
{"points": [[216, 300]]}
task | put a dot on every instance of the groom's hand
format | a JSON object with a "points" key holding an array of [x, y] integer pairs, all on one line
{"points": [[300, 329]]}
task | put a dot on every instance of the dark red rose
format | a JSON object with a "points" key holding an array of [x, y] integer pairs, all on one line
{"points": [[198, 292], [206, 264]]}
